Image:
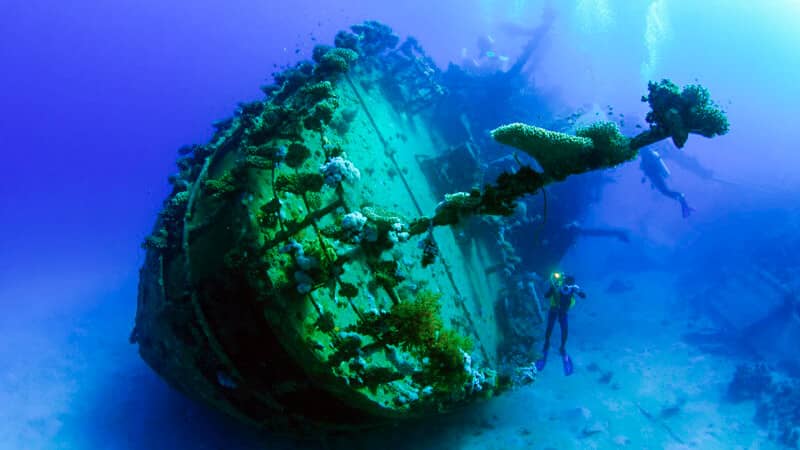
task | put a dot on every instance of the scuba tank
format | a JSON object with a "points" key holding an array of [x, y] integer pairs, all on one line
{"points": [[653, 158], [663, 170]]}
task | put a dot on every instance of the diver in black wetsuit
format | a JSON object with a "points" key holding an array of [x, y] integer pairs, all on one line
{"points": [[562, 294], [657, 172]]}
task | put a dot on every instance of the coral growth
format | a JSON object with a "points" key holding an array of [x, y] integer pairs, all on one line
{"points": [[221, 187], [349, 347], [312, 265], [333, 61], [341, 124], [348, 290], [598, 146], [675, 113], [345, 39], [269, 213], [374, 229], [321, 114], [387, 273], [289, 81], [456, 205], [352, 227], [299, 183], [610, 147], [338, 169], [158, 240], [416, 326], [556, 152], [325, 322], [272, 155], [296, 155], [430, 250], [374, 37], [317, 92]]}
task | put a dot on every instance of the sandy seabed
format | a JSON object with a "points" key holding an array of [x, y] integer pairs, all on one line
{"points": [[70, 380]]}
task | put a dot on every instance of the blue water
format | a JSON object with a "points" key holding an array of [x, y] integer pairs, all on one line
{"points": [[97, 96]]}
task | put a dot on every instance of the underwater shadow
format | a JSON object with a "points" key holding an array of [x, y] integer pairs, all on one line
{"points": [[134, 409], [451, 430], [118, 403]]}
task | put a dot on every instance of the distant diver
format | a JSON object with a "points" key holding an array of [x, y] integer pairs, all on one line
{"points": [[490, 61], [689, 163], [577, 229], [562, 294], [657, 172], [488, 89], [692, 165]]}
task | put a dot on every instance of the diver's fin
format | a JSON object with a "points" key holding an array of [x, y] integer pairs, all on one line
{"points": [[567, 365], [686, 210], [540, 363]]}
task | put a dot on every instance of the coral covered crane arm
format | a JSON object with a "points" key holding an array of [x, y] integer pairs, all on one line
{"points": [[675, 113]]}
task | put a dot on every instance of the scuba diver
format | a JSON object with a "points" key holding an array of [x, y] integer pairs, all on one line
{"points": [[577, 229], [562, 294], [491, 88], [657, 172], [488, 60]]}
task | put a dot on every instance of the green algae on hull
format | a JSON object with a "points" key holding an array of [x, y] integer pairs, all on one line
{"points": [[282, 248]]}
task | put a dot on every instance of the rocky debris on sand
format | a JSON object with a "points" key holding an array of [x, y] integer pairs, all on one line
{"points": [[606, 377], [594, 428], [776, 401], [621, 440]]}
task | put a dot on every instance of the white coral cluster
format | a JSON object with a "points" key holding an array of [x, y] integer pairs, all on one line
{"points": [[338, 169], [304, 263], [353, 225], [406, 397], [399, 360], [398, 232], [304, 282], [292, 247], [477, 378]]}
